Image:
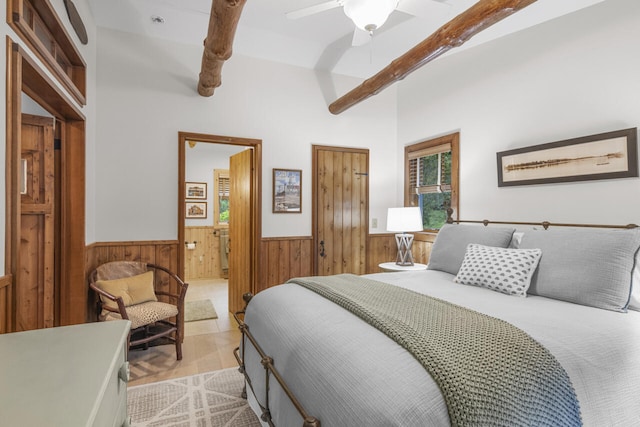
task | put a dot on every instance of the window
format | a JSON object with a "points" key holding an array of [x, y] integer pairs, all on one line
{"points": [[431, 178], [221, 197]]}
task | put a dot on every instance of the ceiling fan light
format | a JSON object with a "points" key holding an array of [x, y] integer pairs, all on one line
{"points": [[369, 15]]}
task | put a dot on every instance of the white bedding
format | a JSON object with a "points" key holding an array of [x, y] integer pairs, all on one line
{"points": [[347, 373]]}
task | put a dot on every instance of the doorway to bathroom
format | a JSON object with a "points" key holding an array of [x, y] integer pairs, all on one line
{"points": [[218, 224]]}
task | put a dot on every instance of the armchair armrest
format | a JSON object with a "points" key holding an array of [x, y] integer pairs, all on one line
{"points": [[182, 285]]}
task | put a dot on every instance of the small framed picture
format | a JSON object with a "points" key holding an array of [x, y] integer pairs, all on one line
{"points": [[196, 210], [196, 190], [287, 191]]}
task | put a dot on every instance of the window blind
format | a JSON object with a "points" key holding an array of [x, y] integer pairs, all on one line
{"points": [[223, 186], [416, 165], [429, 151]]}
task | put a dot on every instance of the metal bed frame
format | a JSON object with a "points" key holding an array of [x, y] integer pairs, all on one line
{"points": [[270, 370], [267, 361]]}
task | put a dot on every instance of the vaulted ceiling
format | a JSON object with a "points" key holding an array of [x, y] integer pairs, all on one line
{"points": [[320, 41]]}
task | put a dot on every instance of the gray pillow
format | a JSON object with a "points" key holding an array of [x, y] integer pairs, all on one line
{"points": [[451, 243], [634, 301], [584, 266]]}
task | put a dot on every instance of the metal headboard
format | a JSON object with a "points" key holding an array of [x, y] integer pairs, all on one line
{"points": [[544, 224]]}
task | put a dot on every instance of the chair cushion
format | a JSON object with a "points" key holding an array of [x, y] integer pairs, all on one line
{"points": [[133, 290], [145, 313]]}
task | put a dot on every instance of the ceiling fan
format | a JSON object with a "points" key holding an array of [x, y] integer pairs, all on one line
{"points": [[367, 15]]}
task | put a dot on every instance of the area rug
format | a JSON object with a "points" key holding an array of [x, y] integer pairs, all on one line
{"points": [[211, 399], [199, 310]]}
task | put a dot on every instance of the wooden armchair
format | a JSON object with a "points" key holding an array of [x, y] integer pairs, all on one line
{"points": [[127, 291]]}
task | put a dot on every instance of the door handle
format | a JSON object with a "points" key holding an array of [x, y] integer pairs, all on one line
{"points": [[322, 252]]}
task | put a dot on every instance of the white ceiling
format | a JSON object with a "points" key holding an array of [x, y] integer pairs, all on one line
{"points": [[321, 41]]}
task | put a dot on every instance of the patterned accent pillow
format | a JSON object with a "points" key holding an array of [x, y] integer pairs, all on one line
{"points": [[500, 269]]}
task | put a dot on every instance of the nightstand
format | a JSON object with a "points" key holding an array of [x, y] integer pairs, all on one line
{"points": [[392, 266]]}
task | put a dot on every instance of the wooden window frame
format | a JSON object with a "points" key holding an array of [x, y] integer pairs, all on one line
{"points": [[433, 145], [62, 49], [217, 174]]}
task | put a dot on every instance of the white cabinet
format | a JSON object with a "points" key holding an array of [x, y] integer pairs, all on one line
{"points": [[68, 376]]}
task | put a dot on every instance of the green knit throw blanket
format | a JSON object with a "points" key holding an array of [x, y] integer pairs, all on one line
{"points": [[490, 372]]}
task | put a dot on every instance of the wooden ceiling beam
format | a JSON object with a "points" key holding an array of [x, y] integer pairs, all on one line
{"points": [[453, 34], [218, 45]]}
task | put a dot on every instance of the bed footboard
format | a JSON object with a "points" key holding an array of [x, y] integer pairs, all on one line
{"points": [[270, 371]]}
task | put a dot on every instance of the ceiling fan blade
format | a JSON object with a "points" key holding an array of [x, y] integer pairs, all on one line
{"points": [[312, 10], [422, 8], [360, 37]]}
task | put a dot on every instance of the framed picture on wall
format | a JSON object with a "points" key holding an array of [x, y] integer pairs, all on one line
{"points": [[603, 156], [287, 191], [196, 190], [196, 210]]}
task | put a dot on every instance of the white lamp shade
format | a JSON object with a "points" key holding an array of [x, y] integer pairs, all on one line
{"points": [[404, 220], [369, 15]]}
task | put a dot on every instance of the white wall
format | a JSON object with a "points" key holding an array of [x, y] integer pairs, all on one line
{"points": [[147, 93], [200, 162], [572, 77]]}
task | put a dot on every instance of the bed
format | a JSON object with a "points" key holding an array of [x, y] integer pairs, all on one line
{"points": [[309, 361]]}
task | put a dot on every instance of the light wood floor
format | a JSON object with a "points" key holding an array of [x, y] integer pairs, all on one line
{"points": [[208, 344]]}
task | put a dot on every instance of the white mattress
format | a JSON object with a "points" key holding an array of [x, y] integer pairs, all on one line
{"points": [[346, 373]]}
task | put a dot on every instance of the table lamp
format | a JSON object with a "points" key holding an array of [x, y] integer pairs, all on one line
{"points": [[402, 221]]}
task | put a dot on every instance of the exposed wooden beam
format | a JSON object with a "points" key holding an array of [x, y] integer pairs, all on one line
{"points": [[223, 22], [454, 33]]}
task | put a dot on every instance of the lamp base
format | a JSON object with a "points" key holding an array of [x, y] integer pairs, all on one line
{"points": [[404, 242]]}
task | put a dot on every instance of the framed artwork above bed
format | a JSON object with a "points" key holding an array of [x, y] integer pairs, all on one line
{"points": [[602, 156]]}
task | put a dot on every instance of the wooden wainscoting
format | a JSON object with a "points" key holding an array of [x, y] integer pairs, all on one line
{"points": [[5, 306], [383, 248], [203, 262], [160, 252], [282, 258]]}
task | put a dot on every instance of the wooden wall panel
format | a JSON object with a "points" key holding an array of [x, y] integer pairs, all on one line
{"points": [[383, 248], [161, 252], [282, 258], [421, 251], [5, 306], [203, 262]]}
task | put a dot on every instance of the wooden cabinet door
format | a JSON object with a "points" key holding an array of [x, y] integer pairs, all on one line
{"points": [[341, 205], [240, 228], [34, 291]]}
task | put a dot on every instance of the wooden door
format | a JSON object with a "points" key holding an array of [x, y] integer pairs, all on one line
{"points": [[341, 206], [240, 228], [34, 291]]}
